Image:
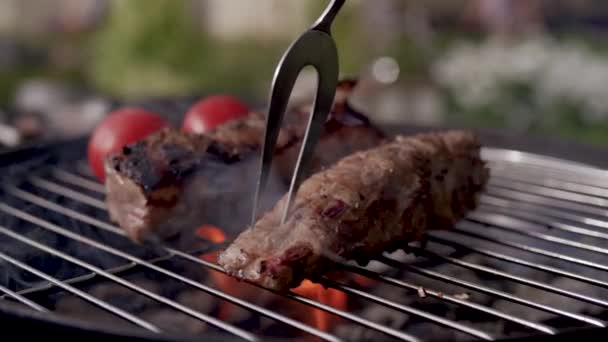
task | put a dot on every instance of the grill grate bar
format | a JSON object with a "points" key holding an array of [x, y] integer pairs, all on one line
{"points": [[516, 226], [528, 248], [353, 318], [548, 192], [23, 300], [259, 310], [506, 275], [64, 191], [544, 173], [551, 183], [541, 211], [518, 261], [81, 294], [128, 284], [448, 298], [491, 291], [407, 309], [83, 278], [44, 203], [77, 180], [543, 221], [82, 167], [532, 160], [545, 201]]}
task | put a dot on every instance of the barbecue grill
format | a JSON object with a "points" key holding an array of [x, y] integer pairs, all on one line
{"points": [[531, 261]]}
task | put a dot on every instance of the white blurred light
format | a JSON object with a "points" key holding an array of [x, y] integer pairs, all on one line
{"points": [[385, 70], [9, 136]]}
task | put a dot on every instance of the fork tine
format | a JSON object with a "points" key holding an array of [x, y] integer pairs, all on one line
{"points": [[282, 85], [327, 81], [317, 48]]}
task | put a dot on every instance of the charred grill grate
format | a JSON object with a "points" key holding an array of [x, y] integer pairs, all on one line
{"points": [[531, 257]]}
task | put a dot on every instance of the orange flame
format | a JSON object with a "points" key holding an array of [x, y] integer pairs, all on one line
{"points": [[211, 233], [321, 319], [222, 281], [363, 280]]}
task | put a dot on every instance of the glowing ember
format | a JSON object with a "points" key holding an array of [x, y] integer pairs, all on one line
{"points": [[363, 280], [321, 319], [222, 281], [211, 233], [317, 318]]}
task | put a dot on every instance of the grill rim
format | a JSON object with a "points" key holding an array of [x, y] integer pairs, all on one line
{"points": [[23, 321]]}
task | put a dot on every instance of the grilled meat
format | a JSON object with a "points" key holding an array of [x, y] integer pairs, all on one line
{"points": [[171, 181], [147, 183], [369, 202]]}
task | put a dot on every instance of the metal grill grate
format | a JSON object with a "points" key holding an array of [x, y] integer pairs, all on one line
{"points": [[541, 218]]}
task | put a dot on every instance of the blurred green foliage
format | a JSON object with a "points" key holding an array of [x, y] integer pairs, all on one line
{"points": [[155, 48], [150, 48]]}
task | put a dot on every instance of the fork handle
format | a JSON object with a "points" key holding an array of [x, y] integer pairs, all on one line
{"points": [[325, 20]]}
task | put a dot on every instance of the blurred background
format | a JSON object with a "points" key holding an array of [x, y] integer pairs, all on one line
{"points": [[527, 66]]}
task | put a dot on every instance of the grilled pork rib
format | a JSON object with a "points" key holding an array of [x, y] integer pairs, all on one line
{"points": [[171, 181], [370, 202]]}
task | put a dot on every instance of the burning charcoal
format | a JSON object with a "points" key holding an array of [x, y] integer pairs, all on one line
{"points": [[233, 313], [377, 313], [495, 328], [75, 307], [352, 332], [198, 301], [557, 301], [172, 321], [432, 332], [447, 288], [521, 311], [579, 287], [125, 298]]}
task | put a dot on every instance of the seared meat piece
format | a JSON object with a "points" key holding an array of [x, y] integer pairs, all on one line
{"points": [[370, 202], [143, 182], [172, 181], [147, 184]]}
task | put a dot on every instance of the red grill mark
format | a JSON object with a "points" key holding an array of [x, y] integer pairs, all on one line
{"points": [[334, 210], [296, 254]]}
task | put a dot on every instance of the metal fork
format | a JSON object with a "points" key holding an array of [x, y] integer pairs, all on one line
{"points": [[316, 48]]}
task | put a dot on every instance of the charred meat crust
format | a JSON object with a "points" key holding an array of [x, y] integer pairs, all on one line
{"points": [[168, 156], [370, 202]]}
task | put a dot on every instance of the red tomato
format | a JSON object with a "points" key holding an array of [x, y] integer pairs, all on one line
{"points": [[212, 111], [121, 127]]}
